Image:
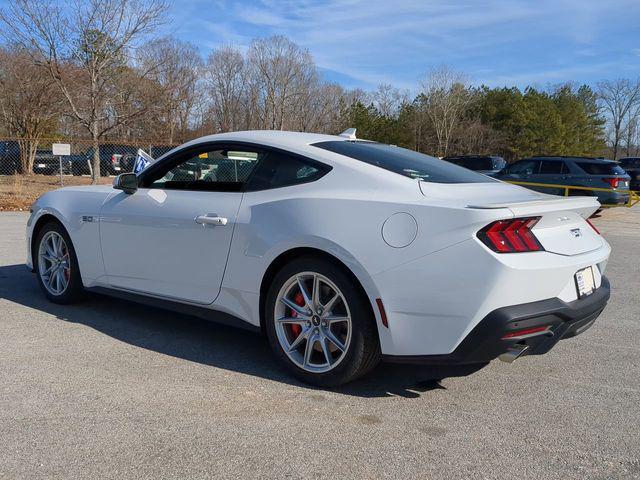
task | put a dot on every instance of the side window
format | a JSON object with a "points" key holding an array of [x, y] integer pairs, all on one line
{"points": [[524, 167], [211, 169], [549, 167], [282, 170]]}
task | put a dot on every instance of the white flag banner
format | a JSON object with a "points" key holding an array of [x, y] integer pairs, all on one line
{"points": [[143, 160]]}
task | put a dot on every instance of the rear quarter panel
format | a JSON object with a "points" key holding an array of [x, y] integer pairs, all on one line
{"points": [[345, 221]]}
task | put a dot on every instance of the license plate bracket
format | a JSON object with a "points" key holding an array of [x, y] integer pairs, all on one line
{"points": [[585, 282]]}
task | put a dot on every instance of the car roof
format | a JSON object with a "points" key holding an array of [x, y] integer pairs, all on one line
{"points": [[295, 142], [570, 157], [472, 156], [277, 138]]}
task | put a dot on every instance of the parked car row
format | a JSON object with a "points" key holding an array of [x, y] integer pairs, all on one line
{"points": [[9, 157], [114, 159], [631, 165], [564, 170]]}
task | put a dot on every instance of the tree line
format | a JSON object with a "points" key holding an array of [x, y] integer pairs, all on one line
{"points": [[99, 71]]}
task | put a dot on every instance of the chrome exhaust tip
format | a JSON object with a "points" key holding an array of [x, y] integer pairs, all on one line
{"points": [[514, 352]]}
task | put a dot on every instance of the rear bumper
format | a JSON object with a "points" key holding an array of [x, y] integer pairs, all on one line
{"points": [[485, 342], [612, 198]]}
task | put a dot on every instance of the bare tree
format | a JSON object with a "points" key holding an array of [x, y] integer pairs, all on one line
{"points": [[227, 86], [29, 102], [174, 68], [619, 98], [445, 96], [280, 73], [389, 99], [319, 109], [86, 48]]}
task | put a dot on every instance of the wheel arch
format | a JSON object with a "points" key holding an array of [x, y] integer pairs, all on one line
{"points": [[285, 257], [37, 226]]}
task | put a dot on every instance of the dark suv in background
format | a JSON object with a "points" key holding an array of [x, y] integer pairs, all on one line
{"points": [[573, 171], [9, 157], [631, 165], [114, 159], [487, 164]]}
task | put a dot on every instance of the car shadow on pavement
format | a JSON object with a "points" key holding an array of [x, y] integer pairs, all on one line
{"points": [[197, 340]]}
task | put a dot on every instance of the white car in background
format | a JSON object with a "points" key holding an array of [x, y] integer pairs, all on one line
{"points": [[343, 252]]}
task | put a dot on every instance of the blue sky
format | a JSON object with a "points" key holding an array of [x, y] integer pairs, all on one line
{"points": [[363, 43]]}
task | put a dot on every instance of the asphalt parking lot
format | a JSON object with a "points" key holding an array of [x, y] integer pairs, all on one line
{"points": [[111, 389]]}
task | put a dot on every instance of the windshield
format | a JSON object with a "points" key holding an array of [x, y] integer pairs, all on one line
{"points": [[404, 162]]}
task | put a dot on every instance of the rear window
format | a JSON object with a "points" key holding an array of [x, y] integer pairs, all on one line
{"points": [[630, 162], [601, 168], [404, 162]]}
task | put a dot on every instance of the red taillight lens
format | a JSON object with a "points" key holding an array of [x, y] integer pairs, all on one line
{"points": [[613, 182], [113, 159], [511, 236]]}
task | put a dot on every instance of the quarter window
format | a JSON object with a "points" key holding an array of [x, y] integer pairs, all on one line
{"points": [[280, 169]]}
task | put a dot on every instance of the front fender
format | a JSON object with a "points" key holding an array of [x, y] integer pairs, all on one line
{"points": [[78, 210], [38, 212]]}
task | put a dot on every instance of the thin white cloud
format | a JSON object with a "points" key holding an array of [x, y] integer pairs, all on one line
{"points": [[378, 41]]}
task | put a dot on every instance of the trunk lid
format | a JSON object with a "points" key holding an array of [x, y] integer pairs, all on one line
{"points": [[562, 228]]}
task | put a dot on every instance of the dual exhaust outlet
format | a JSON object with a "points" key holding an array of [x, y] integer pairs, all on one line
{"points": [[513, 353], [519, 349]]}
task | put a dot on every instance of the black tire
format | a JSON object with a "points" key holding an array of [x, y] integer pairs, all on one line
{"points": [[74, 289], [363, 351]]}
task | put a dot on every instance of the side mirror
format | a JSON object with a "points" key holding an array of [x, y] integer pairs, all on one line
{"points": [[127, 182]]}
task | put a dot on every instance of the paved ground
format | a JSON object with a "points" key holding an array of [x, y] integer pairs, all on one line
{"points": [[112, 389]]}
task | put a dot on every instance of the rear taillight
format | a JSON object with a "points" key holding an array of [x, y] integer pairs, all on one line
{"points": [[593, 226], [113, 159], [511, 236], [613, 182]]}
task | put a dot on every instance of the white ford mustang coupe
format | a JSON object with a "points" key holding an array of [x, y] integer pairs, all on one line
{"points": [[343, 252]]}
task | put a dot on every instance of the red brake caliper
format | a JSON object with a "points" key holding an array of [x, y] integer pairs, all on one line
{"points": [[67, 273], [295, 328]]}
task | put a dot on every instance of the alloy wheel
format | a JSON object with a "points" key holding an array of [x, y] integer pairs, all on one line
{"points": [[313, 322], [54, 264]]}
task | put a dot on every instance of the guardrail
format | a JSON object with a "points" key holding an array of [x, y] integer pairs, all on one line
{"points": [[634, 196]]}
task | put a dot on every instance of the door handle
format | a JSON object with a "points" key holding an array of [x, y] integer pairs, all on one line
{"points": [[209, 220]]}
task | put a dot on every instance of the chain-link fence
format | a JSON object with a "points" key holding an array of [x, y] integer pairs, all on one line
{"points": [[28, 168]]}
